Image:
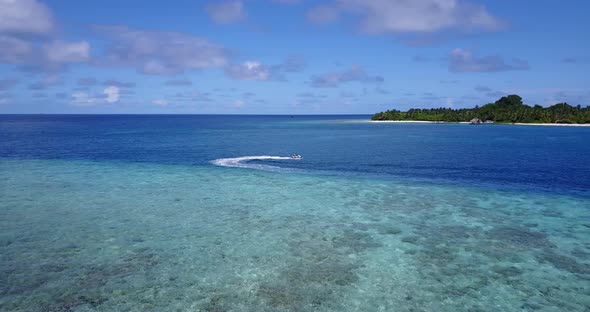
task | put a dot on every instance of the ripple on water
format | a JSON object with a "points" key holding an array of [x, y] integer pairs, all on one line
{"points": [[152, 238]]}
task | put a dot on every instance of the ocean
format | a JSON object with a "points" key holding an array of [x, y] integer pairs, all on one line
{"points": [[209, 213]]}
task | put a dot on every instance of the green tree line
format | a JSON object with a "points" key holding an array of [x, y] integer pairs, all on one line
{"points": [[508, 109]]}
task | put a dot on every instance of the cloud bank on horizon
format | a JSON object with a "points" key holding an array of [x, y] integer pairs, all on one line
{"points": [[288, 56]]}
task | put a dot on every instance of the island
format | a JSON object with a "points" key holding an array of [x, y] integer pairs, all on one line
{"points": [[508, 109]]}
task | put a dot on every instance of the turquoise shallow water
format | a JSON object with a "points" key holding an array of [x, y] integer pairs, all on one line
{"points": [[80, 235]]}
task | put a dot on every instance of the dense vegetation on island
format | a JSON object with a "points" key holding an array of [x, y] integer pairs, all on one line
{"points": [[508, 109]]}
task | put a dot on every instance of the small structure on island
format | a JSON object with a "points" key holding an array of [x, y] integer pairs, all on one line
{"points": [[475, 121]]}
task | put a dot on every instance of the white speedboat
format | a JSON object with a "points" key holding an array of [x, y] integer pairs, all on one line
{"points": [[296, 156]]}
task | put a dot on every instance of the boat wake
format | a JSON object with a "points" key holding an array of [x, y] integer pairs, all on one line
{"points": [[244, 162]]}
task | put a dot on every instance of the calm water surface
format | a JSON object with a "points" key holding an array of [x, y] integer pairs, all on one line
{"points": [[164, 213]]}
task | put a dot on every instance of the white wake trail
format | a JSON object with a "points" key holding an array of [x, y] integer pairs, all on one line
{"points": [[243, 162]]}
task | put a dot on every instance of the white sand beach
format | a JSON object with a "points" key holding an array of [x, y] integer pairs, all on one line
{"points": [[550, 124]]}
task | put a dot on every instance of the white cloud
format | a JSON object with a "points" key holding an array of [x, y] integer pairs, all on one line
{"points": [[14, 50], [157, 68], [334, 79], [82, 99], [255, 70], [238, 103], [51, 56], [25, 26], [112, 94], [67, 52], [160, 102], [158, 52], [322, 14], [416, 16], [226, 12], [193, 96], [461, 60], [119, 84], [251, 70], [450, 102], [25, 17], [292, 64]]}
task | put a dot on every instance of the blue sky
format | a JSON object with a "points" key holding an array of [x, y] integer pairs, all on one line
{"points": [[288, 56]]}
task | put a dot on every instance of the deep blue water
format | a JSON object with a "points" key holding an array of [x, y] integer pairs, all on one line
{"points": [[205, 213], [548, 158]]}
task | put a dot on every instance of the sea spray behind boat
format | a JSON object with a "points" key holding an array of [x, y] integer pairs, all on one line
{"points": [[244, 162]]}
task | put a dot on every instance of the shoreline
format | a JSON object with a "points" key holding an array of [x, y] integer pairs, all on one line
{"points": [[466, 122], [411, 121], [549, 124]]}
